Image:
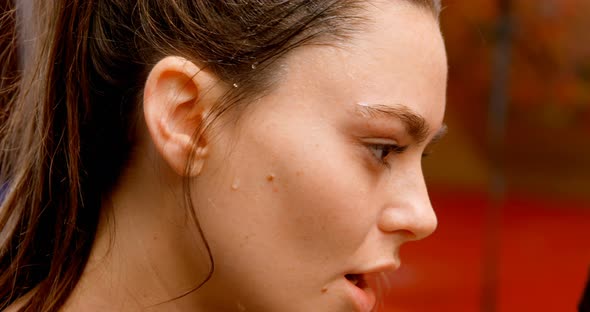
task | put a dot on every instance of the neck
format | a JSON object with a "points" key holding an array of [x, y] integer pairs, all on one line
{"points": [[146, 254]]}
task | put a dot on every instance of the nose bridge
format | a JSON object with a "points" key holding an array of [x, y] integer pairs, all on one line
{"points": [[408, 208]]}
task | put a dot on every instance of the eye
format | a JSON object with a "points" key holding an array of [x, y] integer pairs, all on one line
{"points": [[382, 151]]}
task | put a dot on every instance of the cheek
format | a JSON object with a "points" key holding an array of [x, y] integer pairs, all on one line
{"points": [[291, 196], [320, 195]]}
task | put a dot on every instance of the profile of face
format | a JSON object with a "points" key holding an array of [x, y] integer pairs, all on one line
{"points": [[319, 182]]}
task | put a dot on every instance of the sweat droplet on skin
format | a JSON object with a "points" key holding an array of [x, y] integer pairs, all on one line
{"points": [[235, 85], [235, 185], [254, 65]]}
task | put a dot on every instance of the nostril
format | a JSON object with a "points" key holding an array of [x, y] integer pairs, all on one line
{"points": [[409, 235]]}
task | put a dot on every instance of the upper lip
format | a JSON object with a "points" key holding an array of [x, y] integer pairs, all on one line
{"points": [[386, 267]]}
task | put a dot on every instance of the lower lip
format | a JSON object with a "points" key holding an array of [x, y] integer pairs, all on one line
{"points": [[364, 299]]}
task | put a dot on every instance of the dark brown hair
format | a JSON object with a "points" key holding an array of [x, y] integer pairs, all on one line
{"points": [[68, 110]]}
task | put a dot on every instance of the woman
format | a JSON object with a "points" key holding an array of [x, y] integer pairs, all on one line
{"points": [[186, 155]]}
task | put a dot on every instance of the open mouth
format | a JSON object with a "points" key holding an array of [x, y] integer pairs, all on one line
{"points": [[357, 279], [361, 292]]}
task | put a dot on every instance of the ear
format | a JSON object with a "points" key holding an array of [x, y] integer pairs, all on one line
{"points": [[177, 96]]}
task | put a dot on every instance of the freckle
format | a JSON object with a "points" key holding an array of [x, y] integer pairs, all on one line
{"points": [[270, 177], [299, 173], [235, 185], [324, 290]]}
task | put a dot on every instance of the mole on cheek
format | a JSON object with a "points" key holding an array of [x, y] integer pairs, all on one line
{"points": [[270, 177]]}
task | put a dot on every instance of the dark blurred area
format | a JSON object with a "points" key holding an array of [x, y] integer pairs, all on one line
{"points": [[511, 181]]}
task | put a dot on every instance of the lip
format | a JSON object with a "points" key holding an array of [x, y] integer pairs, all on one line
{"points": [[362, 295], [383, 268], [364, 299]]}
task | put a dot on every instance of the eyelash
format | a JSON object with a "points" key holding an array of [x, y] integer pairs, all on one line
{"points": [[387, 149]]}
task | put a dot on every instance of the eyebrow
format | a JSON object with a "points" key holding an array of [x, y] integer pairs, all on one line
{"points": [[415, 124]]}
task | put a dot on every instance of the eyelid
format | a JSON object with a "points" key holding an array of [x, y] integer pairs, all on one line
{"points": [[380, 141]]}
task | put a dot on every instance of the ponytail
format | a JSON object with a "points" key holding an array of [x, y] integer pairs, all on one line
{"points": [[46, 229]]}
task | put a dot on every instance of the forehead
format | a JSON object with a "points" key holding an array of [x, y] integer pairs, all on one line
{"points": [[398, 58]]}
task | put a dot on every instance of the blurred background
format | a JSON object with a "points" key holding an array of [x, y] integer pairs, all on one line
{"points": [[511, 181]]}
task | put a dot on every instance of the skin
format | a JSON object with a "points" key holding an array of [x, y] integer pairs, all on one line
{"points": [[292, 197]]}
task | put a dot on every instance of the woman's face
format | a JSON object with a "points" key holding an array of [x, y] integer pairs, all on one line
{"points": [[321, 182]]}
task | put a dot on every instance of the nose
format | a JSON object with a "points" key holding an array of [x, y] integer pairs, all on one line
{"points": [[408, 209]]}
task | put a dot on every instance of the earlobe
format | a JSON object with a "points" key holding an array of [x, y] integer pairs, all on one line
{"points": [[178, 95]]}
